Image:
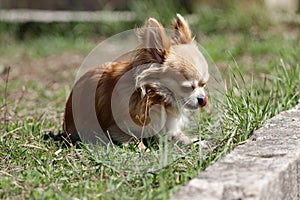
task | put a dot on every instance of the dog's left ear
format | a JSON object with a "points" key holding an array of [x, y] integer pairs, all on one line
{"points": [[155, 41], [183, 33]]}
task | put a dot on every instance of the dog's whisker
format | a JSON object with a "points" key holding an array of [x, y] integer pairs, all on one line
{"points": [[188, 101]]}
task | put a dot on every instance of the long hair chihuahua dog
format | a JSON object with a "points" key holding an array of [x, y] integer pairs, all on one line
{"points": [[144, 96]]}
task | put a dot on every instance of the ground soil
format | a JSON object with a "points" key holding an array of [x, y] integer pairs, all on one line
{"points": [[53, 73]]}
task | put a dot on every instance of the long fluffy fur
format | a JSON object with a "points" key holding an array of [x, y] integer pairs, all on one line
{"points": [[159, 67]]}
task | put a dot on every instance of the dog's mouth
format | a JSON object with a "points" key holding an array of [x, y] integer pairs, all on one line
{"points": [[196, 103]]}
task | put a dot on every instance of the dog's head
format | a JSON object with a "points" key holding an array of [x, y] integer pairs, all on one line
{"points": [[171, 67]]}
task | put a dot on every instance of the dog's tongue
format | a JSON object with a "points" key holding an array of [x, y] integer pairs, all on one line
{"points": [[204, 102]]}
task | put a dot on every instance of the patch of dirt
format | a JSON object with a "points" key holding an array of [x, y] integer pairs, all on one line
{"points": [[57, 68], [291, 31], [54, 73]]}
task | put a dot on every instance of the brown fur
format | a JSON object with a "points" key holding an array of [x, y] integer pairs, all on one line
{"points": [[159, 61]]}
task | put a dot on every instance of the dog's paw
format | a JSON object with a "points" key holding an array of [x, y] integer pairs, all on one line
{"points": [[181, 139], [202, 143]]}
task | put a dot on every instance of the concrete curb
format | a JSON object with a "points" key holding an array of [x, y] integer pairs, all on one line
{"points": [[47, 16], [266, 167]]}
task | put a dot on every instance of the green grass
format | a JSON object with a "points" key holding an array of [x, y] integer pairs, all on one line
{"points": [[44, 46], [231, 16], [33, 166]]}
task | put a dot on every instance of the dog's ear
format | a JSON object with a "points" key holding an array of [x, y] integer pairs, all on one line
{"points": [[183, 33], [154, 40]]}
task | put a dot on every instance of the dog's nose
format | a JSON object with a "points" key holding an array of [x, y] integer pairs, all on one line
{"points": [[202, 101]]}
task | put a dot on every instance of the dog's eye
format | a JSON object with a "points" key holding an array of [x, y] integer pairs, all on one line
{"points": [[202, 84], [187, 88]]}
